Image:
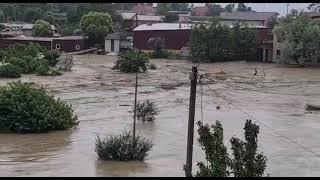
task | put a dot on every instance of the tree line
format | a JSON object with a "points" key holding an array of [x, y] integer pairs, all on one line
{"points": [[217, 42]]}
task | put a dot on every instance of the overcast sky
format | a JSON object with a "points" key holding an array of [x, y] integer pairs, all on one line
{"points": [[281, 8]]}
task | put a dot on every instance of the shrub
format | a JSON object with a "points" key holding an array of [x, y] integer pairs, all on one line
{"points": [[10, 71], [120, 147], [147, 111], [152, 66], [158, 46], [52, 57], [31, 58], [25, 108], [132, 61]]}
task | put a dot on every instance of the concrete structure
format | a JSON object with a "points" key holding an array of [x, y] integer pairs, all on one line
{"points": [[175, 35], [117, 42], [65, 44]]}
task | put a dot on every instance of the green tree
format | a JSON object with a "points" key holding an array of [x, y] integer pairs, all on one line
{"points": [[96, 25], [171, 17], [211, 142], [32, 14], [243, 8], [244, 45], [314, 7], [247, 162], [42, 28], [214, 9], [301, 35], [229, 8]]}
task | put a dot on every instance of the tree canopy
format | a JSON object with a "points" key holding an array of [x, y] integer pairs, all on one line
{"points": [[302, 38], [96, 25], [42, 28]]}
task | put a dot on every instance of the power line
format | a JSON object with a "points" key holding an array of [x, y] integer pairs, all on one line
{"points": [[290, 140]]}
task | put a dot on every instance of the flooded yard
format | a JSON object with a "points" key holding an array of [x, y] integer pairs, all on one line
{"points": [[276, 97]]}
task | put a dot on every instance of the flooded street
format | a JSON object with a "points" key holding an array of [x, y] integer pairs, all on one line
{"points": [[100, 97]]}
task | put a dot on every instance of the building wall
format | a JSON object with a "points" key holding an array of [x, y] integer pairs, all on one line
{"points": [[250, 23], [70, 45], [108, 45], [174, 39]]}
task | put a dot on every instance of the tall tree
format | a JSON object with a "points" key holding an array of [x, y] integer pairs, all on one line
{"points": [[214, 9], [211, 141], [42, 28], [243, 8], [229, 8], [96, 25]]}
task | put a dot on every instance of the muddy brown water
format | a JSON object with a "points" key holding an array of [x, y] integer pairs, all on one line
{"points": [[100, 97]]}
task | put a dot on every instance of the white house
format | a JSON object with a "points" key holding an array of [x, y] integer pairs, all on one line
{"points": [[118, 41]]}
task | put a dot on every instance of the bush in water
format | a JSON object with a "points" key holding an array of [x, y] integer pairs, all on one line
{"points": [[147, 111], [9, 71], [25, 108], [132, 61], [122, 147]]}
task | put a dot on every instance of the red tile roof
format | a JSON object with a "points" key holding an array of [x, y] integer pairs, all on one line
{"points": [[200, 11]]}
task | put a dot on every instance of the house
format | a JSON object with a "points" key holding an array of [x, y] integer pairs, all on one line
{"points": [[199, 11], [118, 41], [251, 18], [175, 35], [132, 20], [144, 9], [65, 44]]}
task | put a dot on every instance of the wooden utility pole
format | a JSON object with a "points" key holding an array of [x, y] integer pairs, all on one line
{"points": [[193, 90], [135, 103]]}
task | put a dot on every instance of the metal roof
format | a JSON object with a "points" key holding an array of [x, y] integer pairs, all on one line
{"points": [[149, 18], [258, 16], [31, 38], [71, 37], [127, 15], [162, 26]]}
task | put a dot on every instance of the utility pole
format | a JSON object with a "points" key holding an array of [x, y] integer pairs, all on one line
{"points": [[193, 90], [287, 4], [135, 104]]}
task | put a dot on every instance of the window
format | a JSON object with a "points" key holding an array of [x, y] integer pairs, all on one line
{"points": [[278, 52], [77, 47], [57, 46]]}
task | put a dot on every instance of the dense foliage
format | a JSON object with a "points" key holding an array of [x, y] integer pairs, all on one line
{"points": [[218, 42], [25, 108], [302, 38], [9, 71], [132, 61], [246, 162], [147, 111], [31, 58], [96, 25], [42, 28], [122, 147]]}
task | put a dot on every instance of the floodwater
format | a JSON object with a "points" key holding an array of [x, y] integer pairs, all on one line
{"points": [[100, 97]]}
